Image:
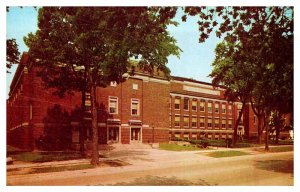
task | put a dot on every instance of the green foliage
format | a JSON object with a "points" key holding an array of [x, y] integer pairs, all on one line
{"points": [[57, 131], [12, 53], [99, 41]]}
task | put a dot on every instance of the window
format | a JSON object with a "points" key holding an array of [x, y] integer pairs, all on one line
{"points": [[113, 105], [177, 121], [186, 104], [177, 103], [209, 108], [186, 121], [135, 107], [194, 105], [216, 107], [194, 121], [202, 105], [113, 83], [135, 86], [202, 122], [223, 135], [254, 119], [209, 122], [229, 123], [223, 108], [30, 111], [223, 123], [217, 123], [230, 109], [217, 136]]}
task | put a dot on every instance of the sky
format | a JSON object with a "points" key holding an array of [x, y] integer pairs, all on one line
{"points": [[194, 62]]}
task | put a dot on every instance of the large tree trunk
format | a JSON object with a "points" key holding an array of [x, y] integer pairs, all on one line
{"points": [[95, 153], [277, 134], [82, 125], [266, 125], [267, 138], [237, 124], [259, 130]]}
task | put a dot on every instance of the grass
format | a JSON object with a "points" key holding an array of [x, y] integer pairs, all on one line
{"points": [[283, 166], [277, 149], [221, 154], [175, 147], [162, 181], [61, 168], [45, 156]]}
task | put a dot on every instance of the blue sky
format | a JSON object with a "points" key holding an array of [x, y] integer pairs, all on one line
{"points": [[194, 62]]}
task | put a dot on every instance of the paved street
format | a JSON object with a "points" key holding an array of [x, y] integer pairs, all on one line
{"points": [[158, 167]]}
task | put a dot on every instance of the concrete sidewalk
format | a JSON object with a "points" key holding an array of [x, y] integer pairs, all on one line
{"points": [[136, 155]]}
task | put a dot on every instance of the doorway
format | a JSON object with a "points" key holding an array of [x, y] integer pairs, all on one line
{"points": [[135, 134], [113, 134]]}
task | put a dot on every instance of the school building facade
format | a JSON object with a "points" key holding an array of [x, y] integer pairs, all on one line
{"points": [[144, 109]]}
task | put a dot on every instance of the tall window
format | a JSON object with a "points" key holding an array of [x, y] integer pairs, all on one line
{"points": [[186, 121], [177, 121], [194, 105], [223, 108], [216, 107], [209, 122], [209, 107], [230, 109], [202, 105], [194, 121], [113, 105], [30, 111], [254, 119], [223, 123], [177, 103], [202, 122], [216, 123], [230, 124], [186, 104], [135, 107]]}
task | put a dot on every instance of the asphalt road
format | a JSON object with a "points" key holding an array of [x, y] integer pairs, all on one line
{"points": [[157, 167]]}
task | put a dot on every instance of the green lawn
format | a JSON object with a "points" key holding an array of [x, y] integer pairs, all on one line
{"points": [[277, 149], [45, 156], [175, 147], [220, 154], [61, 168]]}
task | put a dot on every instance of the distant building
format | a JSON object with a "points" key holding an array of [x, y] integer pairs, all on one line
{"points": [[145, 108]]}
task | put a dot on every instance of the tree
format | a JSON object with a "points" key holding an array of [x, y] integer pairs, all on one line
{"points": [[271, 62], [234, 74], [99, 42], [12, 53]]}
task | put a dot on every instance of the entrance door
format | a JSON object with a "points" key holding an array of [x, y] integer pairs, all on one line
{"points": [[113, 134], [135, 134]]}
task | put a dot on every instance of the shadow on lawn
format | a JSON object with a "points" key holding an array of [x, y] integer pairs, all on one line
{"points": [[282, 166], [162, 181]]}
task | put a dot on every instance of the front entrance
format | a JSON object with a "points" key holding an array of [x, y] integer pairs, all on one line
{"points": [[135, 134], [113, 134]]}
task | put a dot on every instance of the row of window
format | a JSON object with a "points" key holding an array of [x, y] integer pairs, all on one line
{"points": [[186, 104], [186, 122], [113, 106], [201, 135]]}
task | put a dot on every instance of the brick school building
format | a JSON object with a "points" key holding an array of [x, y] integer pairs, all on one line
{"points": [[144, 109]]}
